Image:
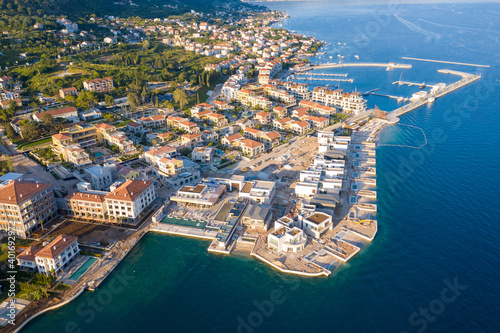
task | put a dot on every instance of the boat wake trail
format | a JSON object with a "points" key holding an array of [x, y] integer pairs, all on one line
{"points": [[430, 35]]}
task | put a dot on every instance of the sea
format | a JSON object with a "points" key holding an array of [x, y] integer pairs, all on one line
{"points": [[434, 265]]}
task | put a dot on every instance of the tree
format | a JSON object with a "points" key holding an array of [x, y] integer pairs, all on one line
{"points": [[181, 97], [132, 100], [47, 119], [154, 142], [110, 101], [30, 130], [109, 117], [145, 45]]}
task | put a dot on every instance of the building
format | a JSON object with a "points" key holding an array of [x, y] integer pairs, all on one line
{"points": [[99, 85], [300, 127], [315, 224], [25, 206], [270, 139], [170, 166], [280, 111], [101, 177], [283, 124], [68, 92], [286, 239], [252, 148], [191, 140], [202, 155], [317, 122], [76, 155], [70, 113], [127, 202], [134, 127], [125, 173], [85, 205], [153, 155], [52, 258], [263, 118], [201, 195], [232, 140], [258, 191], [257, 217], [92, 114]]}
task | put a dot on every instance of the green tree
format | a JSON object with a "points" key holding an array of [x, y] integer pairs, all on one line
{"points": [[110, 101], [181, 97]]}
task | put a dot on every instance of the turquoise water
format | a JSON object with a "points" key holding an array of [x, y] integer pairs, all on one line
{"points": [[83, 268], [438, 219], [98, 154]]}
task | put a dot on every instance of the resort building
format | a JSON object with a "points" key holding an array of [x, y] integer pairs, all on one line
{"points": [[315, 224], [257, 217], [50, 259], [127, 202], [258, 191], [99, 85], [25, 206], [348, 102], [286, 239], [201, 195]]}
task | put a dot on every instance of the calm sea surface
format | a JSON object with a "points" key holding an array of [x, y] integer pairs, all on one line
{"points": [[434, 265]]}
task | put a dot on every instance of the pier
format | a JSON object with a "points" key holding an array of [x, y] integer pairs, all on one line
{"points": [[445, 62], [421, 85], [398, 98], [393, 117], [360, 64], [323, 79], [327, 74]]}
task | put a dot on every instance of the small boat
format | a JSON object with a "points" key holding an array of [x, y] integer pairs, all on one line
{"points": [[430, 100], [356, 56]]}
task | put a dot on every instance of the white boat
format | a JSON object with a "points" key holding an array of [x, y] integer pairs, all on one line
{"points": [[431, 100], [356, 56]]}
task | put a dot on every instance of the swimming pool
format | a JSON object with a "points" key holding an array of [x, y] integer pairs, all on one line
{"points": [[98, 154], [182, 222], [82, 269]]}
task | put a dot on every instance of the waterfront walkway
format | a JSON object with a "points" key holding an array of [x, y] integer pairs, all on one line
{"points": [[183, 231]]}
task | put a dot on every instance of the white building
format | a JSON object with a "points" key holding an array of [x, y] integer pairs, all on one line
{"points": [[51, 258], [315, 224], [286, 239], [101, 177], [258, 191], [128, 201]]}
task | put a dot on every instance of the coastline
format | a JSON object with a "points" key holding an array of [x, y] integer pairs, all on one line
{"points": [[147, 229]]}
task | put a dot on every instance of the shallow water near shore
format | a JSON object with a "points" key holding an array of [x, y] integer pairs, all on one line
{"points": [[437, 245]]}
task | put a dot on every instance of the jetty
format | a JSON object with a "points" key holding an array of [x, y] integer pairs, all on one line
{"points": [[393, 117], [360, 64], [445, 62]]}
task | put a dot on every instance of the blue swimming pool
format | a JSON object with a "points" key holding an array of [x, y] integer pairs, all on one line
{"points": [[98, 154], [82, 269]]}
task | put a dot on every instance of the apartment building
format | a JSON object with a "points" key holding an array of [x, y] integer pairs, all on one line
{"points": [[68, 92], [99, 85], [86, 205], [101, 177], [349, 102], [251, 147], [25, 205]]}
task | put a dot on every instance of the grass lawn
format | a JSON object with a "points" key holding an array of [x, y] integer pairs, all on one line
{"points": [[35, 143], [123, 123]]}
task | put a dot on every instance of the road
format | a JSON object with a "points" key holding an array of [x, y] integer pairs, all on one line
{"points": [[215, 93]]}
